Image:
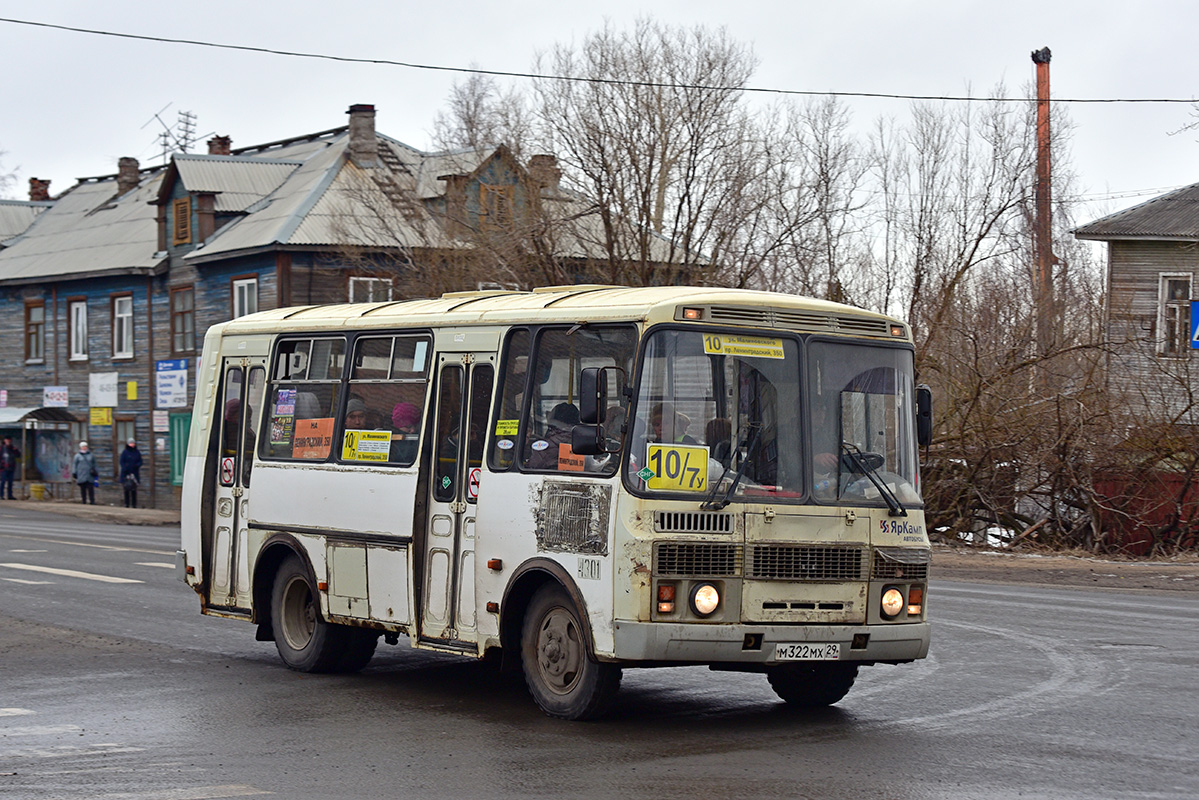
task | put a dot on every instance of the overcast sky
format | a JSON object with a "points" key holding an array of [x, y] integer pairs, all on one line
{"points": [[72, 103]]}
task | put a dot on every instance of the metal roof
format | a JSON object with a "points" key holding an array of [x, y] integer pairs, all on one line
{"points": [[89, 230], [1171, 216], [237, 181], [17, 215]]}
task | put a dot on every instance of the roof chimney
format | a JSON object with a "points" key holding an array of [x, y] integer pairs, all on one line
{"points": [[364, 147], [220, 146], [127, 174], [545, 173], [39, 190]]}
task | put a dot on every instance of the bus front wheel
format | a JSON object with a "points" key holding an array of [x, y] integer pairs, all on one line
{"points": [[812, 685], [305, 642], [563, 679]]}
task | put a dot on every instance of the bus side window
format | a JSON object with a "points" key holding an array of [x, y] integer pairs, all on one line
{"points": [[302, 400], [385, 409], [552, 410], [514, 380]]}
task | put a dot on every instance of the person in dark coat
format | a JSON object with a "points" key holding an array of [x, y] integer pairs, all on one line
{"points": [[10, 456], [131, 472], [83, 468]]}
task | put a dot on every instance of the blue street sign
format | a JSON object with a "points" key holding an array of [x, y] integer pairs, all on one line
{"points": [[1195, 324]]}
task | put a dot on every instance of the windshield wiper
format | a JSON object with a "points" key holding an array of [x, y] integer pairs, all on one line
{"points": [[858, 461], [715, 505]]}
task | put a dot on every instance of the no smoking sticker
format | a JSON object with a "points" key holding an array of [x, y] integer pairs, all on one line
{"points": [[472, 483]]}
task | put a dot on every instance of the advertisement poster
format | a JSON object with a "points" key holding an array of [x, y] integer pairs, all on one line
{"points": [[102, 390], [54, 396]]}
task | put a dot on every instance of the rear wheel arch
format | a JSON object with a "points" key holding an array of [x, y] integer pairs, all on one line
{"points": [[274, 552]]}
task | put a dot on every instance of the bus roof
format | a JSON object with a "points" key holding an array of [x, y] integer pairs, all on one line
{"points": [[581, 303]]}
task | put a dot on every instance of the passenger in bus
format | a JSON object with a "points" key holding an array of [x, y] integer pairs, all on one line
{"points": [[355, 414], [543, 452], [405, 424], [681, 423]]}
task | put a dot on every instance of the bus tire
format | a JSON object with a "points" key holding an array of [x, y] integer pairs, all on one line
{"points": [[360, 648], [561, 675], [305, 642], [812, 685]]}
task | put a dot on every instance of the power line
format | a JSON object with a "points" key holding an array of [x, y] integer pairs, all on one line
{"points": [[576, 79]]}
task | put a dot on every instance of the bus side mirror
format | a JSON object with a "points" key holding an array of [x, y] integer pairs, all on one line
{"points": [[593, 396], [924, 415], [587, 440]]}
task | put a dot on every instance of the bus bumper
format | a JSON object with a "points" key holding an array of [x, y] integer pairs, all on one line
{"points": [[755, 644]]}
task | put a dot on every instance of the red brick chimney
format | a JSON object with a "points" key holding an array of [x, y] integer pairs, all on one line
{"points": [[364, 147], [127, 174], [39, 190], [220, 146]]}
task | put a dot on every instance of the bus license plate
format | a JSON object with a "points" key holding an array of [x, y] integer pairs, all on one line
{"points": [[807, 652]]}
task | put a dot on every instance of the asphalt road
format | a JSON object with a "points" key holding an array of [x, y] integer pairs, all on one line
{"points": [[113, 686]]}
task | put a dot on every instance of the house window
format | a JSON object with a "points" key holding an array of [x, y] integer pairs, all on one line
{"points": [[495, 206], [77, 314], [245, 296], [370, 290], [122, 326], [183, 220], [1174, 315], [35, 331], [183, 320]]}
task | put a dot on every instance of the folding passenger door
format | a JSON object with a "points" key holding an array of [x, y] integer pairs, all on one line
{"points": [[242, 388], [462, 399]]}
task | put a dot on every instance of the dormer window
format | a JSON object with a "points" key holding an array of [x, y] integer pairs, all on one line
{"points": [[182, 209], [495, 206]]}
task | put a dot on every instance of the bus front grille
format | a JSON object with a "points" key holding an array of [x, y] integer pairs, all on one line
{"points": [[901, 563], [692, 522], [802, 562], [709, 559]]}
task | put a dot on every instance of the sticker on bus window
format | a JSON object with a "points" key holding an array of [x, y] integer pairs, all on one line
{"points": [[676, 468], [281, 429], [507, 427], [285, 403], [724, 344], [366, 446], [314, 438], [568, 461]]}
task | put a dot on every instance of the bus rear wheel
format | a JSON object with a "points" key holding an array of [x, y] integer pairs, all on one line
{"points": [[812, 685], [305, 642], [562, 678]]}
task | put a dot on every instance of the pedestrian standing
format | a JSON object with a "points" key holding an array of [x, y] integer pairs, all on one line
{"points": [[86, 474], [10, 456], [131, 472]]}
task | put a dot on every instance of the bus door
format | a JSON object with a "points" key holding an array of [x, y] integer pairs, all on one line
{"points": [[462, 399], [242, 385]]}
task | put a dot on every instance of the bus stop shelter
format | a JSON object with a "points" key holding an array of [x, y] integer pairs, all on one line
{"points": [[44, 436]]}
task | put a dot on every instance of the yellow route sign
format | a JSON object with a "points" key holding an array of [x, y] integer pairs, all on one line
{"points": [[725, 344], [366, 446], [677, 467]]}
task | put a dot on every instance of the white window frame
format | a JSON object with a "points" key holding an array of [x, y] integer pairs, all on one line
{"points": [[1164, 306], [245, 296], [77, 319], [370, 290], [122, 326]]}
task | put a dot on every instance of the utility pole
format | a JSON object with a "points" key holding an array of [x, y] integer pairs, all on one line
{"points": [[1043, 227]]}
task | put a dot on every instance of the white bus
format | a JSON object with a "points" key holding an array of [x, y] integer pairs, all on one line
{"points": [[581, 479]]}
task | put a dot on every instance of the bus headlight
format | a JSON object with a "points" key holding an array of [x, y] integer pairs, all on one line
{"points": [[892, 603], [705, 598]]}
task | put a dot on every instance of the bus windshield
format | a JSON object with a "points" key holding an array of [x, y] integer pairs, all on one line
{"points": [[720, 415]]}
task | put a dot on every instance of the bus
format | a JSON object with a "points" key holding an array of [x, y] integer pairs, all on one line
{"points": [[575, 479]]}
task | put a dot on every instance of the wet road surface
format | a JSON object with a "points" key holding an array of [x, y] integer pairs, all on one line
{"points": [[113, 686]]}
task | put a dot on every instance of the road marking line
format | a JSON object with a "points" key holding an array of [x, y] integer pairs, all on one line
{"points": [[15, 535], [70, 573], [39, 730], [29, 551], [29, 583], [15, 712], [155, 564], [197, 793], [59, 751]]}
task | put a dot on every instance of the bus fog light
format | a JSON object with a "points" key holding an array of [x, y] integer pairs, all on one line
{"points": [[705, 598], [892, 603]]}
